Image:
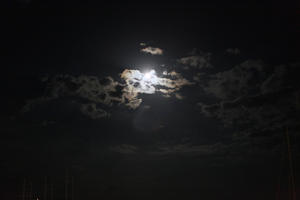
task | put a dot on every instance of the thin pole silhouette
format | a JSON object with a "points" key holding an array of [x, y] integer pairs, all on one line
{"points": [[30, 191], [24, 189], [45, 188], [52, 192], [66, 185], [72, 187], [279, 177], [292, 178]]}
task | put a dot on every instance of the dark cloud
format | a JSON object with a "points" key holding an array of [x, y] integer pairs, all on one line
{"points": [[240, 150], [91, 110], [186, 149], [241, 80], [233, 51], [255, 99], [201, 61], [88, 91], [125, 149], [257, 113], [275, 82]]}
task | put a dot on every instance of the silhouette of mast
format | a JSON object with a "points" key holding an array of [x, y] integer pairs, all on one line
{"points": [[24, 189], [51, 192], [287, 156], [291, 168], [45, 188], [66, 185], [72, 188], [30, 191]]}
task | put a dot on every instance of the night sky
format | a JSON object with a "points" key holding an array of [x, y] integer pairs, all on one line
{"points": [[153, 100]]}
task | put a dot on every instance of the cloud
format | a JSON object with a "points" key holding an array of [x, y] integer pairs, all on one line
{"points": [[243, 79], [186, 149], [95, 95], [233, 51], [178, 96], [201, 61], [199, 77], [235, 152], [146, 107], [216, 154], [47, 123], [125, 149], [254, 101], [87, 87], [152, 50], [87, 91], [32, 103], [91, 110], [265, 122], [166, 149], [134, 103], [137, 83], [275, 81]]}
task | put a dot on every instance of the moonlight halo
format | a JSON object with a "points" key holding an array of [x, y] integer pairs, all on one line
{"points": [[149, 75]]}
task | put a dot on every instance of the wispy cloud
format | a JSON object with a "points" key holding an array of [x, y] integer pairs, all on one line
{"points": [[91, 110], [200, 61], [233, 51], [125, 149], [152, 50]]}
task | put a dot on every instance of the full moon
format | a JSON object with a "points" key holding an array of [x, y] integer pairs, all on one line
{"points": [[149, 75]]}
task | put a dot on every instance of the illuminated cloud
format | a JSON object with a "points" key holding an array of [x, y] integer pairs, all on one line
{"points": [[152, 50], [100, 93], [178, 96], [134, 103], [149, 83]]}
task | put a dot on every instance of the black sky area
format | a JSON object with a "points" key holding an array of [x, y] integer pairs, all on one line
{"points": [[226, 91]]}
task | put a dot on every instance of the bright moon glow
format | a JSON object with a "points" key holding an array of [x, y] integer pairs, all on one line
{"points": [[149, 82], [149, 75]]}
